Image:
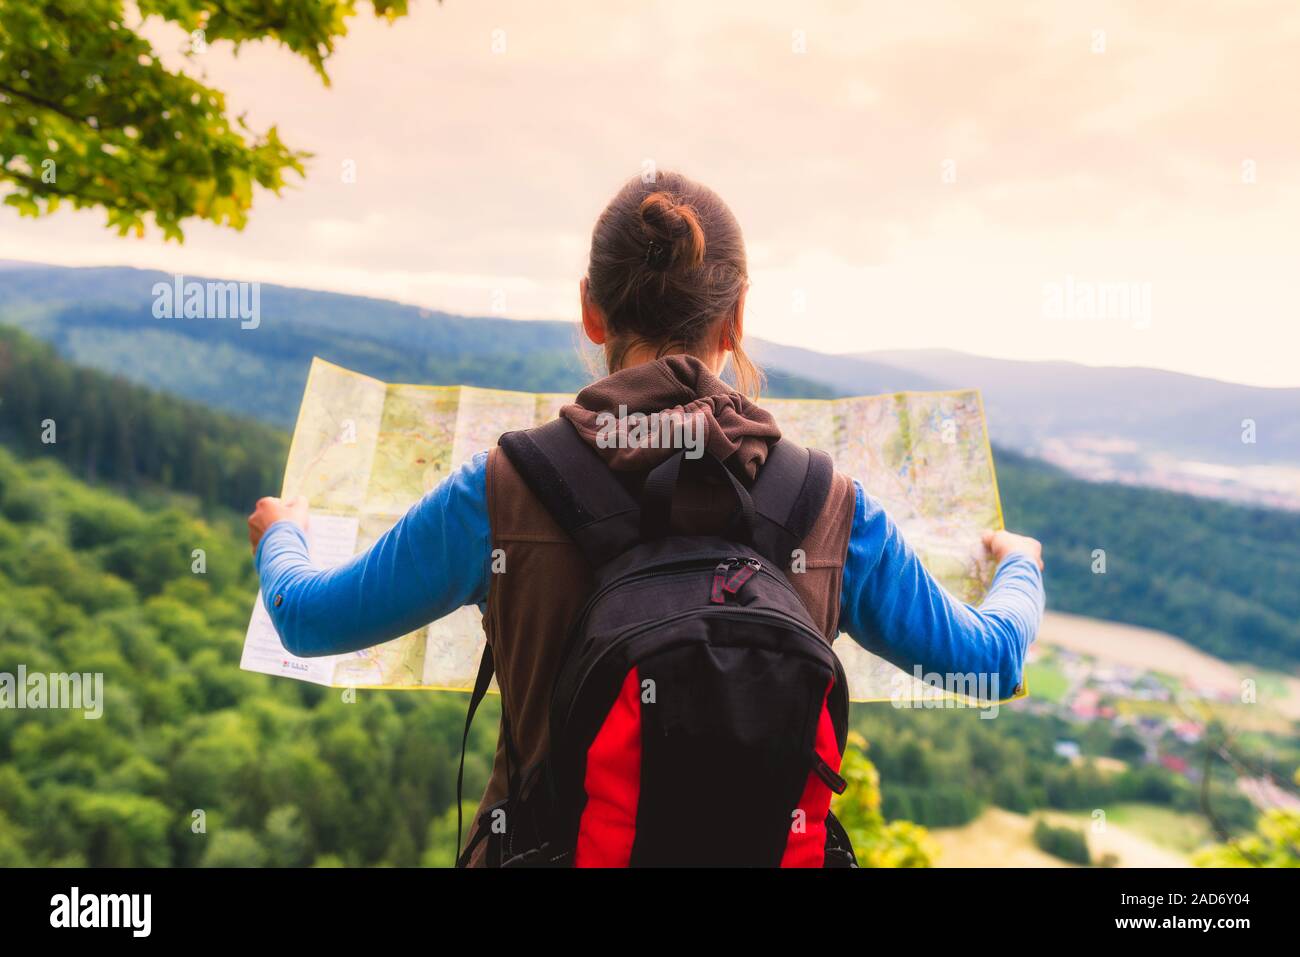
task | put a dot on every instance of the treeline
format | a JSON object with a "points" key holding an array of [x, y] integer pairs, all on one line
{"points": [[1220, 576], [193, 761], [105, 429]]}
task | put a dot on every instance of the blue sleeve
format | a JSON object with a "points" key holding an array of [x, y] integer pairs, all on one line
{"points": [[891, 606], [433, 561]]}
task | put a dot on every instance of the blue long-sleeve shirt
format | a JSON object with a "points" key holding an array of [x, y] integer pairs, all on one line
{"points": [[437, 558]]}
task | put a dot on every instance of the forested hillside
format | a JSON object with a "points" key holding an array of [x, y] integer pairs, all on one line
{"points": [[195, 762], [285, 772], [187, 761], [267, 771], [107, 429], [1220, 576], [281, 772]]}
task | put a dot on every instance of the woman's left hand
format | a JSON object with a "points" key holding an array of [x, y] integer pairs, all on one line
{"points": [[268, 511]]}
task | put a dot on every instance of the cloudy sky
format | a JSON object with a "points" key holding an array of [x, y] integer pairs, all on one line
{"points": [[908, 175]]}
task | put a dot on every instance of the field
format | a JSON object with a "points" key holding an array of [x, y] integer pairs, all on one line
{"points": [[1175, 831], [1136, 835], [1144, 649], [1045, 682]]}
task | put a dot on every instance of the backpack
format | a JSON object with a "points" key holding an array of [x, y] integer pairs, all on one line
{"points": [[698, 716]]}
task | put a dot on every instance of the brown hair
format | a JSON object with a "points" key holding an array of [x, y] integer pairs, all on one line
{"points": [[667, 264]]}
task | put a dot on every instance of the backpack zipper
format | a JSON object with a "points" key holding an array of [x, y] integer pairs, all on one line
{"points": [[654, 571], [663, 568], [725, 612]]}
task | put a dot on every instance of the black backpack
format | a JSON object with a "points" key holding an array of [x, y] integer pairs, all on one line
{"points": [[699, 716]]}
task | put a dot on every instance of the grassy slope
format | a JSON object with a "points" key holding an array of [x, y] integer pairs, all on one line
{"points": [[1001, 838]]}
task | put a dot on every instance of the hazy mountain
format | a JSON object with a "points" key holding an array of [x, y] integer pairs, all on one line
{"points": [[1148, 426], [1134, 425], [104, 318], [1036, 401], [846, 374]]}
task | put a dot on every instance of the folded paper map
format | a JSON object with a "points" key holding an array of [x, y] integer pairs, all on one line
{"points": [[364, 452]]}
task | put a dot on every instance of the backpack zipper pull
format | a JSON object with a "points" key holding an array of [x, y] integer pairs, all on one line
{"points": [[725, 584], [717, 594], [748, 567]]}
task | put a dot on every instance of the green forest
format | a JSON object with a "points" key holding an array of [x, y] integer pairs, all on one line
{"points": [[107, 429], [192, 762], [1220, 576], [122, 551], [195, 762]]}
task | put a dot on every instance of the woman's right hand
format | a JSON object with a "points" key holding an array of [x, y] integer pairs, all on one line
{"points": [[271, 510], [1002, 543]]}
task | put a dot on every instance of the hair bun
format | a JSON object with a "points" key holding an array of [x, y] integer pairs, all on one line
{"points": [[674, 236]]}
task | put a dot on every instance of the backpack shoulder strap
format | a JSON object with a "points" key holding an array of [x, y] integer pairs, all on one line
{"points": [[789, 494], [576, 487]]}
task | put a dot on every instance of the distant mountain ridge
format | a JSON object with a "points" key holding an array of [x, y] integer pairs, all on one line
{"points": [[102, 317], [1139, 426], [1031, 402], [1195, 414], [1136, 425]]}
